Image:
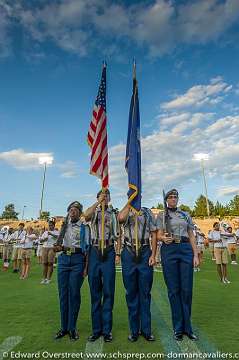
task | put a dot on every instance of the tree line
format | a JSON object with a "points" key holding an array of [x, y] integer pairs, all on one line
{"points": [[9, 213], [199, 210], [216, 209]]}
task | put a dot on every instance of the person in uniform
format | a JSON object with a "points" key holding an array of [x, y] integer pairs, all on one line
{"points": [[49, 238], [72, 268], [27, 246], [231, 244], [179, 256], [17, 236], [3, 236], [211, 247], [101, 266], [220, 251], [137, 260], [39, 243], [200, 238], [7, 249], [237, 233]]}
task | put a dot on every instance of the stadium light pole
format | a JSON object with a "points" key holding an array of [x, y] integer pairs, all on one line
{"points": [[203, 157], [23, 211], [44, 160]]}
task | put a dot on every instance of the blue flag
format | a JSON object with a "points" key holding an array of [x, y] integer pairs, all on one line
{"points": [[133, 151]]}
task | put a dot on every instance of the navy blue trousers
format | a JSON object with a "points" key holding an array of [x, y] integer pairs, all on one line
{"points": [[177, 262], [70, 279], [101, 277], [138, 281]]}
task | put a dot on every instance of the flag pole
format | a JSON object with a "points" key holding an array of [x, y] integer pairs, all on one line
{"points": [[103, 207], [102, 224], [100, 168], [136, 215], [136, 235]]}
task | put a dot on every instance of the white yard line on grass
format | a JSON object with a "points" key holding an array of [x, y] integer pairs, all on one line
{"points": [[94, 347], [186, 346], [158, 270], [7, 345]]}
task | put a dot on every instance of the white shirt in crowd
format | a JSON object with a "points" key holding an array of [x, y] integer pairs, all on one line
{"points": [[228, 238], [3, 236], [49, 240], [199, 237], [18, 235], [7, 239], [27, 242], [215, 235]]}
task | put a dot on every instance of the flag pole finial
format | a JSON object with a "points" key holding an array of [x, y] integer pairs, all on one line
{"points": [[134, 69]]}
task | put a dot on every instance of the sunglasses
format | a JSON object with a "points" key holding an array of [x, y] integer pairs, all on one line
{"points": [[172, 197]]}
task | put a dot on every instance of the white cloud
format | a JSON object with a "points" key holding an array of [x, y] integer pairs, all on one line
{"points": [[78, 25], [183, 121], [228, 191], [5, 41], [199, 95], [167, 158], [205, 20], [164, 25], [22, 160], [69, 169]]}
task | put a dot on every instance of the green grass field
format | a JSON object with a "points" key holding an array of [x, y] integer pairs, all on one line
{"points": [[31, 311]]}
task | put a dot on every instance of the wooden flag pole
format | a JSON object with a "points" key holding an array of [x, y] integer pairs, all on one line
{"points": [[102, 224]]}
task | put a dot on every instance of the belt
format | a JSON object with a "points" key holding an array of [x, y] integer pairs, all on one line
{"points": [[72, 251], [180, 239], [146, 242], [96, 246], [130, 248], [96, 243]]}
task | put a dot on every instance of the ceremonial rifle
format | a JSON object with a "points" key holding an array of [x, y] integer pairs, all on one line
{"points": [[166, 217]]}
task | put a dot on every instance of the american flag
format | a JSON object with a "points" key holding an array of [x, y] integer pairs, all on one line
{"points": [[97, 135]]}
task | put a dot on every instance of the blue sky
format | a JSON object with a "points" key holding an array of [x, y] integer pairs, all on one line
{"points": [[50, 63]]}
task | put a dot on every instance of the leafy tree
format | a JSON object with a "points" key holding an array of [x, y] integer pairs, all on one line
{"points": [[45, 215], [200, 207], [185, 208], [160, 206], [9, 212], [220, 209], [234, 206]]}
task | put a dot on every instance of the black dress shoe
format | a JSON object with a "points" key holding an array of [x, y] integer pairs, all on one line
{"points": [[133, 338], [178, 336], [73, 335], [108, 338], [94, 337], [192, 336], [61, 333], [148, 337]]}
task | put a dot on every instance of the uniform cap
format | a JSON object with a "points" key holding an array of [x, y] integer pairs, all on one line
{"points": [[171, 192], [75, 204], [106, 192], [52, 221]]}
